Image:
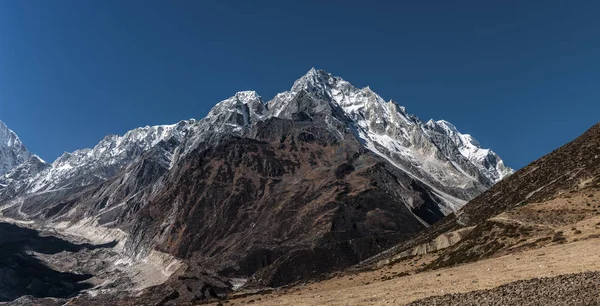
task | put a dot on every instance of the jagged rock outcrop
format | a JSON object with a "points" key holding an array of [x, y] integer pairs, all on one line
{"points": [[12, 151]]}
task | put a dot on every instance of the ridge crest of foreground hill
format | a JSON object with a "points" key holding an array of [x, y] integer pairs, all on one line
{"points": [[350, 173]]}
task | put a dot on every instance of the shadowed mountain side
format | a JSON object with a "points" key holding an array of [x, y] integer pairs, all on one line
{"points": [[21, 273]]}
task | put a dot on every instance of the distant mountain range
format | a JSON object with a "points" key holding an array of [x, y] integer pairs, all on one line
{"points": [[320, 177], [434, 152]]}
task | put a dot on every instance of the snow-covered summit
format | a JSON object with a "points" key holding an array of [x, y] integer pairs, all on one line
{"points": [[12, 150], [435, 152], [239, 110], [426, 150]]}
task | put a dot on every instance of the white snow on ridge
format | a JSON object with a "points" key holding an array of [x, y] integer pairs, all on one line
{"points": [[427, 146], [107, 157], [486, 160], [438, 154]]}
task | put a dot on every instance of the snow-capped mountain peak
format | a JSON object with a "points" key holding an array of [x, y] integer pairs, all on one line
{"points": [[451, 163], [434, 151], [316, 82], [12, 150], [242, 109], [248, 96], [322, 85]]}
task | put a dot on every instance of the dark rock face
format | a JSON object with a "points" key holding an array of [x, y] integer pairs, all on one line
{"points": [[295, 196]]}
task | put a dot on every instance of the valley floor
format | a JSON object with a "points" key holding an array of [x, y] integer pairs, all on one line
{"points": [[388, 286]]}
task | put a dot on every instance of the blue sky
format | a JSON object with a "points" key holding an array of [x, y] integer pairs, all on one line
{"points": [[520, 76]]}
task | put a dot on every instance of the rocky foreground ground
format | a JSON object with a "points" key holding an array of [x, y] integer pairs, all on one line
{"points": [[570, 289]]}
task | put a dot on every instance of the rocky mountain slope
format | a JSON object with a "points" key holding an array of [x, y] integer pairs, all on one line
{"points": [[317, 179], [434, 152], [12, 151], [530, 239], [17, 164]]}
